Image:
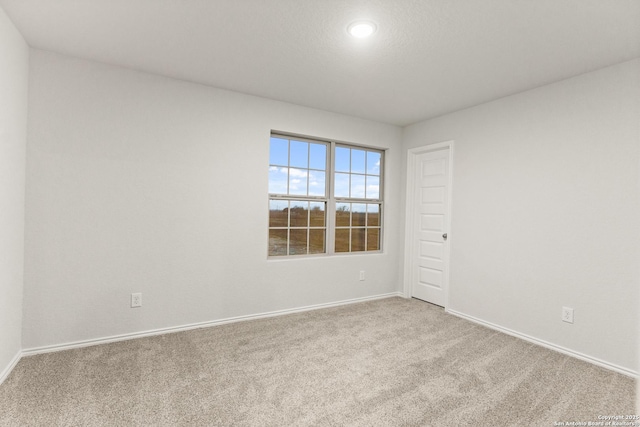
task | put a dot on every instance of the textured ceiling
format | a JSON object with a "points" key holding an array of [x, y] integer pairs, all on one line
{"points": [[428, 57]]}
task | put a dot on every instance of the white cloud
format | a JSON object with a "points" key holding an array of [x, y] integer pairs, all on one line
{"points": [[376, 168], [298, 173], [373, 191]]}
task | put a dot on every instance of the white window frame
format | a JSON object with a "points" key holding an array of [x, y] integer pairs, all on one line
{"points": [[330, 199]]}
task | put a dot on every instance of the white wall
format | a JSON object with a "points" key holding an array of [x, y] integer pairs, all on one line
{"points": [[545, 211], [14, 68], [139, 183]]}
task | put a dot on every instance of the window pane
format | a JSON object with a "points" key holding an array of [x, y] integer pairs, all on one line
{"points": [[279, 152], [278, 213], [299, 154], [373, 239], [317, 183], [358, 212], [277, 180], [318, 156], [357, 161], [342, 240], [297, 242], [373, 215], [297, 181], [343, 159], [343, 215], [317, 214], [357, 239], [316, 241], [299, 214], [373, 187], [277, 242], [373, 163], [341, 185], [357, 186]]}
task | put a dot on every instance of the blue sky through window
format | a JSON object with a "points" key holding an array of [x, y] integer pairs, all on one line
{"points": [[279, 152], [343, 159], [357, 173], [357, 161], [299, 152], [297, 167]]}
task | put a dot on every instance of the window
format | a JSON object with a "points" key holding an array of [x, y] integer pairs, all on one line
{"points": [[357, 180], [324, 197]]}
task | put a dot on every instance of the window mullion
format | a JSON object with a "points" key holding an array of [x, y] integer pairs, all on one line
{"points": [[288, 176], [366, 217], [308, 225], [288, 227], [331, 202]]}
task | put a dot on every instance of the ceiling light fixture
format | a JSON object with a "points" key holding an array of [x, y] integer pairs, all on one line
{"points": [[362, 29]]}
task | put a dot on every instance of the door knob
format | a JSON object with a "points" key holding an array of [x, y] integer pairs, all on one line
{"points": [[444, 236]]}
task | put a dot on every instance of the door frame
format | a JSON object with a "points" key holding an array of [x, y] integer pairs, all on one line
{"points": [[412, 155]]}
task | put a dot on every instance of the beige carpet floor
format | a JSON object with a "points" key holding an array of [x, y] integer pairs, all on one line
{"points": [[391, 362]]}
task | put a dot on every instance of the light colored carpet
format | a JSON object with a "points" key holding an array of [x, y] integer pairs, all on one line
{"points": [[390, 362]]}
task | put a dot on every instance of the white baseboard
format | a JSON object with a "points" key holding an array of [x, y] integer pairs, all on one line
{"points": [[548, 345], [149, 333], [5, 373], [123, 337]]}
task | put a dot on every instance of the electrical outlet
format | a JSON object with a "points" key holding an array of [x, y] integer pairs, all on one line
{"points": [[567, 314], [361, 275], [136, 300]]}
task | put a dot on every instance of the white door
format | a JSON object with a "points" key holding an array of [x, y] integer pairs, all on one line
{"points": [[429, 262]]}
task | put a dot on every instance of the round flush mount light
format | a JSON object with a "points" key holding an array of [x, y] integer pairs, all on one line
{"points": [[362, 29]]}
